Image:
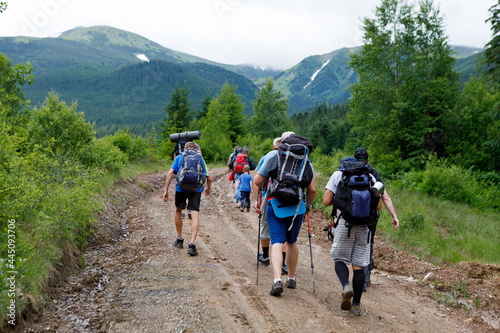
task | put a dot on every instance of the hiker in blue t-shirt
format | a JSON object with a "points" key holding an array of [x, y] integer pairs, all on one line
{"points": [[287, 227], [245, 184], [193, 201], [265, 237]]}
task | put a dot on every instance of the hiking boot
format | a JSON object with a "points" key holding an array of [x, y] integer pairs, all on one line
{"points": [[179, 243], [237, 203], [183, 215], [347, 294], [276, 289], [242, 209], [192, 250], [248, 209], [356, 310], [284, 269], [291, 283], [265, 261]]}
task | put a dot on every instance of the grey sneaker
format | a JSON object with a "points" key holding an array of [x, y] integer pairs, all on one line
{"points": [[265, 261], [356, 310], [292, 284], [192, 250], [277, 289], [179, 243], [347, 295]]}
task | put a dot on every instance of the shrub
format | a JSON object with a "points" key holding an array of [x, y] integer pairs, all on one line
{"points": [[102, 153], [133, 146]]}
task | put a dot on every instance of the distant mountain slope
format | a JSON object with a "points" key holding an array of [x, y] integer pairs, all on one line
{"points": [[135, 95], [106, 46], [317, 79], [327, 77]]}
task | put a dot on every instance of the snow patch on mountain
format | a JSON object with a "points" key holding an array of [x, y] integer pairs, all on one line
{"points": [[315, 74], [142, 57]]}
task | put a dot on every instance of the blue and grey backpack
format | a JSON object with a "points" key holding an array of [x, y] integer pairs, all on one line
{"points": [[191, 175]]}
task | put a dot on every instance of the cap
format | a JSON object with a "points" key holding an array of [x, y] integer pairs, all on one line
{"points": [[286, 135], [277, 141], [361, 154]]}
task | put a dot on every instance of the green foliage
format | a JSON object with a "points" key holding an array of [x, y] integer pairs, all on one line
{"points": [[57, 128], [407, 83], [178, 110], [232, 110], [491, 52], [270, 112], [215, 143], [451, 182], [133, 146], [11, 81], [413, 218], [103, 154], [326, 127], [472, 128], [223, 125]]}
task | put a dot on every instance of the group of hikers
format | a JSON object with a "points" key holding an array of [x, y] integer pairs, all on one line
{"points": [[284, 188]]}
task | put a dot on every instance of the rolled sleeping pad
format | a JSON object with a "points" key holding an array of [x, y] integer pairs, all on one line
{"points": [[194, 135]]}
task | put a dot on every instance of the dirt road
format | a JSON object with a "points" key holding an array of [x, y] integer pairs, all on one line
{"points": [[135, 280]]}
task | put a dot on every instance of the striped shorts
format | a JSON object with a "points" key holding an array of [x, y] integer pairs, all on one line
{"points": [[353, 250]]}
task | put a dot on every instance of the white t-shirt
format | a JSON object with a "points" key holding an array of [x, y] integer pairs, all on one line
{"points": [[334, 181]]}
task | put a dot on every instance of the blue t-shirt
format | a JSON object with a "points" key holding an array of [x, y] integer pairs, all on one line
{"points": [[176, 166], [245, 180]]}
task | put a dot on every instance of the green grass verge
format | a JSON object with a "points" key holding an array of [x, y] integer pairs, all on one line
{"points": [[442, 231]]}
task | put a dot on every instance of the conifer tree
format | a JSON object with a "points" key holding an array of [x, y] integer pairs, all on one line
{"points": [[232, 108], [269, 108], [178, 110]]}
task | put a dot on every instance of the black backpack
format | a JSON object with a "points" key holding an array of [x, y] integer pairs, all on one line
{"points": [[354, 196], [293, 172], [179, 147], [191, 175]]}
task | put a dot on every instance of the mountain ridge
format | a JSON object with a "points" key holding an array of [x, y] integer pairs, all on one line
{"points": [[91, 54]]}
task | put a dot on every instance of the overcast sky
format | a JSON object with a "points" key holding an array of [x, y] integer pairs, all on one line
{"points": [[276, 33]]}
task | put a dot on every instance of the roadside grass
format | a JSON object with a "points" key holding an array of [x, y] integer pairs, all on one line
{"points": [[438, 230], [441, 230], [134, 169]]}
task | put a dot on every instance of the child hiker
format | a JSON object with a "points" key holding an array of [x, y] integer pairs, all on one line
{"points": [[246, 184]]}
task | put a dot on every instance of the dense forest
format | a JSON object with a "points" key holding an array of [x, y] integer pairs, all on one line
{"points": [[425, 133]]}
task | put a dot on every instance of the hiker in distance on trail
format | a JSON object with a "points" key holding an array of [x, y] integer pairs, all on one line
{"points": [[289, 172], [245, 184], [355, 194], [179, 148], [192, 174], [237, 163], [362, 155]]}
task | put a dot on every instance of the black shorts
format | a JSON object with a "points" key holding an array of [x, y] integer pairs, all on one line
{"points": [[193, 199]]}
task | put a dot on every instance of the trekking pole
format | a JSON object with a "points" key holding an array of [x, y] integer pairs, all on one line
{"points": [[310, 250], [258, 237]]}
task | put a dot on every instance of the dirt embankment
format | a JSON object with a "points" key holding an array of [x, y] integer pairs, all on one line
{"points": [[137, 281]]}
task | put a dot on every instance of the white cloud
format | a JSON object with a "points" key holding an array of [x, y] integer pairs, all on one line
{"points": [[277, 33]]}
